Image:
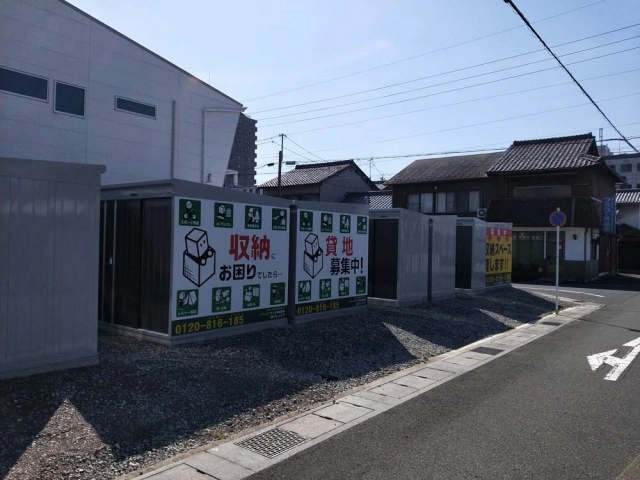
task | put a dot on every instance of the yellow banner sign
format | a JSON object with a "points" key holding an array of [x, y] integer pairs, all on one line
{"points": [[498, 263]]}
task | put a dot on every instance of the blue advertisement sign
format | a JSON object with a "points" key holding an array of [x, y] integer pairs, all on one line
{"points": [[609, 214]]}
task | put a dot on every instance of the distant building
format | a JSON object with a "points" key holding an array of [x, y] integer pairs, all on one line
{"points": [[324, 182], [627, 166], [604, 150], [242, 162], [73, 89], [523, 185]]}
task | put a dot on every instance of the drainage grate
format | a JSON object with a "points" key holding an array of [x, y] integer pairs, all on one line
{"points": [[272, 442], [551, 323], [487, 350]]}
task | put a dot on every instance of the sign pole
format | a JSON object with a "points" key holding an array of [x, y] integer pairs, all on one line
{"points": [[557, 263], [557, 219]]}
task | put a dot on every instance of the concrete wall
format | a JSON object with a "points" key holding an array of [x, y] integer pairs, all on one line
{"points": [[49, 223], [54, 40]]}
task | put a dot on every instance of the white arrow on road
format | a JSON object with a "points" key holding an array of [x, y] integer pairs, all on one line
{"points": [[619, 364]]}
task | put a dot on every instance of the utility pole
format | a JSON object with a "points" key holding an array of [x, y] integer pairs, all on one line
{"points": [[280, 154]]}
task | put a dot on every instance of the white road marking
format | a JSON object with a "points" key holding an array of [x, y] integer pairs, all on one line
{"points": [[619, 364], [564, 291]]}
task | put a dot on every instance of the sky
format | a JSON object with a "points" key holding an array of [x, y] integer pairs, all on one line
{"points": [[387, 82]]}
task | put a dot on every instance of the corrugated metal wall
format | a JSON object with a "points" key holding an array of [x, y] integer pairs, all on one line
{"points": [[383, 258], [136, 263], [155, 264], [48, 265]]}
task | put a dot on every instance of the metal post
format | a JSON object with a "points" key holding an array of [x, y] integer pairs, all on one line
{"points": [[280, 164], [557, 262], [430, 265]]}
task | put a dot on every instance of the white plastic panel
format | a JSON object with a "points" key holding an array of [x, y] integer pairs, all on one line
{"points": [[49, 265], [413, 257], [444, 256]]}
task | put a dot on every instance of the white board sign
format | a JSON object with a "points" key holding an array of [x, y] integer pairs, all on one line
{"points": [[331, 263], [230, 264]]}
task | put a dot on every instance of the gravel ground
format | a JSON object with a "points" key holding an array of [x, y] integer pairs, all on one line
{"points": [[145, 403]]}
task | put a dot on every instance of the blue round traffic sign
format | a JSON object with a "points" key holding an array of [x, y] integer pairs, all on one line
{"points": [[557, 218]]}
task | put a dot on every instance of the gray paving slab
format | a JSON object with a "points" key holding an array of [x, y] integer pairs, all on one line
{"points": [[365, 402], [217, 467], [539, 330], [310, 426], [508, 342], [393, 390], [240, 456], [376, 397], [502, 346], [434, 373], [526, 336], [342, 412], [476, 355], [415, 381], [180, 472], [453, 367], [461, 360]]}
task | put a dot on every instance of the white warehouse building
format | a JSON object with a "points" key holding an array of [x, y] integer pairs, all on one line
{"points": [[72, 89]]}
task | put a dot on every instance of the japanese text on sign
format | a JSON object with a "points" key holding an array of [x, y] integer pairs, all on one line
{"points": [[498, 256]]}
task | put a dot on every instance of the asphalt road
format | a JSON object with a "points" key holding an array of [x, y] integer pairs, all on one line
{"points": [[538, 412]]}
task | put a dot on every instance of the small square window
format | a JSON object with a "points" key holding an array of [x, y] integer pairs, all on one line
{"points": [[69, 99]]}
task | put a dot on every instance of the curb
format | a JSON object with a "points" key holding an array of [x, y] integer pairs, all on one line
{"points": [[255, 451]]}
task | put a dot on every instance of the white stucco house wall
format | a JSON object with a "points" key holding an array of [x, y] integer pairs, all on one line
{"points": [[628, 203], [72, 89]]}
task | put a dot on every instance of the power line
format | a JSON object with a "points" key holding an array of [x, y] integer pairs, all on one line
{"points": [[458, 103], [504, 119], [447, 91], [452, 71], [515, 8], [300, 146], [296, 153], [497, 146], [477, 75], [460, 44]]}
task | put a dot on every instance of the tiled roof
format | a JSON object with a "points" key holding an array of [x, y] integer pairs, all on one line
{"points": [[628, 196], [375, 199], [311, 174], [446, 168], [548, 154]]}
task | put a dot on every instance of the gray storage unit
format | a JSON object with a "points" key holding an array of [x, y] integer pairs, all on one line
{"points": [[443, 259], [183, 261], [410, 257], [48, 265], [471, 242], [398, 256]]}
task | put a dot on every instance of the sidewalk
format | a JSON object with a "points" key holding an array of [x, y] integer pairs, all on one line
{"points": [[251, 453]]}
